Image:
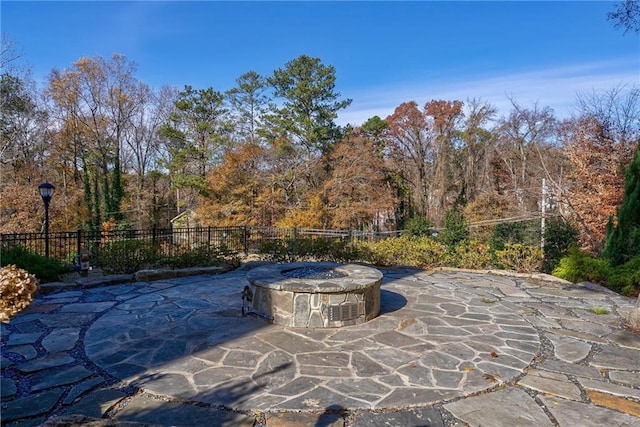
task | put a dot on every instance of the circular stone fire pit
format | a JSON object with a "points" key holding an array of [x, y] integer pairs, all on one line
{"points": [[316, 294]]}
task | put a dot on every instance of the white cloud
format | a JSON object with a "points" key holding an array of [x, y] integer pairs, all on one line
{"points": [[553, 87]]}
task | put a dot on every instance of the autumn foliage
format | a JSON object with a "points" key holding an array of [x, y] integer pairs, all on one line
{"points": [[596, 177], [269, 152]]}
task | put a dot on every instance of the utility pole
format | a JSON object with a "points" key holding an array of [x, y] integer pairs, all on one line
{"points": [[543, 209]]}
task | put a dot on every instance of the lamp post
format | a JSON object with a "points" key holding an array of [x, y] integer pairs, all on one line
{"points": [[46, 191]]}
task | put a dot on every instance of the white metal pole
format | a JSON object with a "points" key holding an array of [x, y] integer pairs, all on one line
{"points": [[543, 211]]}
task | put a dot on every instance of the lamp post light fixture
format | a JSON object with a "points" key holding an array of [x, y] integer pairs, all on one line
{"points": [[46, 192]]}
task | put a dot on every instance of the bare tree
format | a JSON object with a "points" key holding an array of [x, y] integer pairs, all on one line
{"points": [[475, 150], [521, 135], [143, 145], [9, 53], [626, 15]]}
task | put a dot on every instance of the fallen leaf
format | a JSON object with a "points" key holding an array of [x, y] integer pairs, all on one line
{"points": [[491, 378], [494, 354]]}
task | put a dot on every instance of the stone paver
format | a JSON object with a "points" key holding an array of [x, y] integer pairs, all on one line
{"points": [[147, 409], [551, 382], [449, 347], [508, 407], [569, 412], [96, 404], [61, 340], [414, 417]]}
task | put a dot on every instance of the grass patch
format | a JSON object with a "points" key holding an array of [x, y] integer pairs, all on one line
{"points": [[599, 311]]}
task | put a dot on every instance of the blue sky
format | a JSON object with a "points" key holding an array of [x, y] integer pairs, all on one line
{"points": [[385, 53]]}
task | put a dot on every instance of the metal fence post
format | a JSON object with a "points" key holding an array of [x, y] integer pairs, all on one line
{"points": [[245, 239], [79, 243]]}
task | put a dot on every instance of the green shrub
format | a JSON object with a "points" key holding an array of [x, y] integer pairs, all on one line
{"points": [[579, 266], [289, 250], [337, 250], [306, 249], [275, 250], [45, 269], [524, 232], [559, 236], [625, 278], [301, 249], [418, 226], [520, 258], [201, 256], [126, 256], [455, 228], [470, 254], [405, 250], [129, 256]]}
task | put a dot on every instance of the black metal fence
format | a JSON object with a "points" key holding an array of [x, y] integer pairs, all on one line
{"points": [[65, 246]]}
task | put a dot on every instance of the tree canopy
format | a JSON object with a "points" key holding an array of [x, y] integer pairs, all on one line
{"points": [[269, 152]]}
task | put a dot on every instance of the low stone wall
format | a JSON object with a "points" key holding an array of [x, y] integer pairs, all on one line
{"points": [[150, 275], [316, 303]]}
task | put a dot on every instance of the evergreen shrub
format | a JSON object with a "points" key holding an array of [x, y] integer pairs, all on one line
{"points": [[126, 256], [579, 266], [524, 232], [418, 226], [129, 256], [306, 249], [559, 236], [45, 269], [625, 278], [455, 230], [470, 254], [406, 250], [520, 258], [276, 250], [202, 256]]}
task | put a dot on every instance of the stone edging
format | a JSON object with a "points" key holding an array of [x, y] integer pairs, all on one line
{"points": [[139, 276], [497, 272]]}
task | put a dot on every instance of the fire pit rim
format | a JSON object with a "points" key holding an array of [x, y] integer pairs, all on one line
{"points": [[356, 277]]}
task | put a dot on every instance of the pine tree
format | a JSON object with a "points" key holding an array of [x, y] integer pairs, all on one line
{"points": [[623, 238]]}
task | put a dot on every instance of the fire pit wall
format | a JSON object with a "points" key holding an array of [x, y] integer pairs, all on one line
{"points": [[348, 294]]}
